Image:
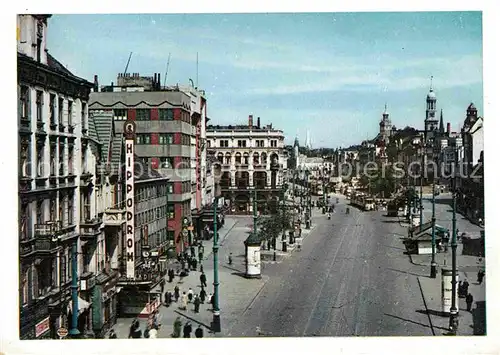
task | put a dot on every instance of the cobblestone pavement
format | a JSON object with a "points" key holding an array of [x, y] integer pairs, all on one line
{"points": [[350, 278]]}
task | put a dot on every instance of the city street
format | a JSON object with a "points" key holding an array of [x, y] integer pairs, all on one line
{"points": [[351, 278]]}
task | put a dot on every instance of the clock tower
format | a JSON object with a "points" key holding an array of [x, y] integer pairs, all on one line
{"points": [[431, 120]]}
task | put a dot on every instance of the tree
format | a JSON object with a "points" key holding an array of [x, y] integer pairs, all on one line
{"points": [[271, 227]]}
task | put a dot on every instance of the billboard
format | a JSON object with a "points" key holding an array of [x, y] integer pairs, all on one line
{"points": [[129, 130]]}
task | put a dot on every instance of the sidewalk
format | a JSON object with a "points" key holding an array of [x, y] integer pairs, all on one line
{"points": [[465, 263], [235, 291], [470, 323]]}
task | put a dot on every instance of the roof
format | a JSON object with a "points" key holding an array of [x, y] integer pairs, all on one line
{"points": [[103, 122], [57, 66]]}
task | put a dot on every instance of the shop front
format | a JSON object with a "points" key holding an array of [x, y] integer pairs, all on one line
{"points": [[104, 302], [35, 320]]}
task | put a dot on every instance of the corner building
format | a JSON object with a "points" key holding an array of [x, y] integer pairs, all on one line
{"points": [[163, 139], [253, 165]]}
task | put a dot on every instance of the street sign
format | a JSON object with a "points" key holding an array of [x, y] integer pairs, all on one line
{"points": [[62, 332]]}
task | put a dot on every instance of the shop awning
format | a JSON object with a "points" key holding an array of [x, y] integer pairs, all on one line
{"points": [[82, 305]]}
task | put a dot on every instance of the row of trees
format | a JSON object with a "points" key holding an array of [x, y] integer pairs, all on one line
{"points": [[270, 227]]}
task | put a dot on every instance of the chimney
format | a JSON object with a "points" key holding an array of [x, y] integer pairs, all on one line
{"points": [[448, 128], [158, 87], [154, 82], [250, 121], [258, 122], [112, 85], [96, 84]]}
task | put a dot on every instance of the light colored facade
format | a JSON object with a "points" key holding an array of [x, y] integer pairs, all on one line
{"points": [[252, 158], [57, 160]]}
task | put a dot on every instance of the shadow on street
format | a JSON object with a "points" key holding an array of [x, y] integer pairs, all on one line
{"points": [[405, 272], [408, 320]]}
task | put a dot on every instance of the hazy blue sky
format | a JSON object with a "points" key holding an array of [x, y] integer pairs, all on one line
{"points": [[330, 73]]}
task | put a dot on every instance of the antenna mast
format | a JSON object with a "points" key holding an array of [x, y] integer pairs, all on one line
{"points": [[128, 62], [166, 71]]}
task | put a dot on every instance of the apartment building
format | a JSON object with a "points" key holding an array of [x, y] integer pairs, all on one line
{"points": [[253, 164], [163, 139], [57, 161]]}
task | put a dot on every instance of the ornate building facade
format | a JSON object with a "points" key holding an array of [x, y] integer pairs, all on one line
{"points": [[253, 165]]}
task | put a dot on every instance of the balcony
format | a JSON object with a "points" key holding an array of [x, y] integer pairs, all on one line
{"points": [[25, 125], [46, 237], [114, 217]]}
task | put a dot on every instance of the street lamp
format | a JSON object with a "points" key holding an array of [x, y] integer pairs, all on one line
{"points": [[433, 261], [74, 332], [216, 327], [283, 235], [454, 309]]}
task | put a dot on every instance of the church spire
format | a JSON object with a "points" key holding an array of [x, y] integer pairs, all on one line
{"points": [[441, 123]]}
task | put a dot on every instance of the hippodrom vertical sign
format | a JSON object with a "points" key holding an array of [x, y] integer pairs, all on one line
{"points": [[129, 198]]}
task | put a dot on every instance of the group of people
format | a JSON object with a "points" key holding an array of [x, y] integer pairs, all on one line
{"points": [[186, 330], [151, 331]]}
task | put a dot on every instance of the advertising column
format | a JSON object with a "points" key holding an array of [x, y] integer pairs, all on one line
{"points": [[446, 290], [129, 130]]}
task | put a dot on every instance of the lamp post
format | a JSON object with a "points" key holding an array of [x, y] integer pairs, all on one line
{"points": [[283, 235], [454, 309], [433, 261], [216, 327], [74, 332], [421, 186]]}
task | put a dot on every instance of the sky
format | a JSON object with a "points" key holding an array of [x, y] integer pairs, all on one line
{"points": [[329, 73]]}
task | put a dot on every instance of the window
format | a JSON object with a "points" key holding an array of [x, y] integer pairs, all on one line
{"points": [[53, 160], [70, 208], [70, 113], [52, 210], [60, 108], [274, 143], [228, 159], [63, 272], [39, 106], [224, 143], [242, 143], [170, 235], [39, 212], [84, 116], [61, 209], [25, 102], [170, 188], [143, 139], [52, 109], [238, 158], [208, 144], [143, 114], [171, 212], [24, 221], [24, 287], [166, 114], [40, 161], [120, 114], [70, 160], [246, 159], [185, 139], [166, 138]]}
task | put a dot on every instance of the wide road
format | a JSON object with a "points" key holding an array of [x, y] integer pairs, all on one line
{"points": [[350, 279]]}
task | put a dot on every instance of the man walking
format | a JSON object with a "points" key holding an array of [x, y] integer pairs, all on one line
{"points": [[197, 303], [203, 279], [203, 295], [190, 295], [480, 276], [465, 286], [469, 300], [176, 293]]}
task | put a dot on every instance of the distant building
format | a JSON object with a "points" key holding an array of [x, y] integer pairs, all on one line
{"points": [[252, 158]]}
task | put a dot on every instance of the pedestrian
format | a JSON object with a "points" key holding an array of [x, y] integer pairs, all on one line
{"points": [[201, 267], [112, 334], [177, 328], [133, 328], [230, 259], [203, 295], [176, 293], [209, 298], [480, 277], [460, 289], [168, 299], [190, 294], [184, 301], [162, 285], [203, 279], [469, 299], [187, 330], [192, 251], [170, 274], [197, 303], [466, 287], [146, 332], [195, 264], [198, 332]]}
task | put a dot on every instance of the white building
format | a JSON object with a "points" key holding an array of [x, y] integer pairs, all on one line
{"points": [[57, 163], [253, 161]]}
